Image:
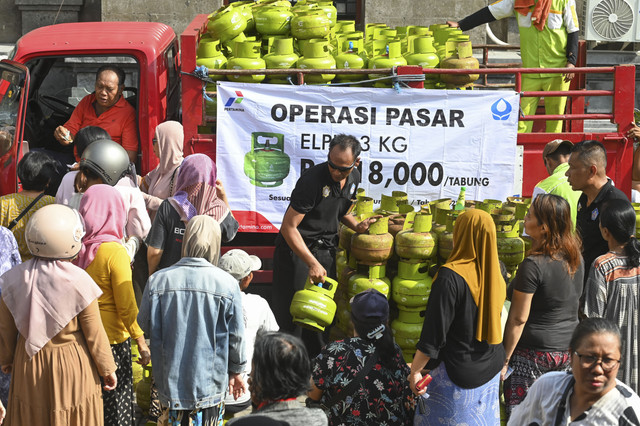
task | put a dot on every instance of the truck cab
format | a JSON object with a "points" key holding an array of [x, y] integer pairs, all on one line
{"points": [[52, 68]]}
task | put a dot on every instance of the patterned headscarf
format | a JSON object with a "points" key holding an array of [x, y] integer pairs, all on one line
{"points": [[105, 216], [475, 258], [196, 190]]}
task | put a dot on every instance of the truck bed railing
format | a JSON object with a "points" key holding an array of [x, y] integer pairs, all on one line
{"points": [[413, 76]]}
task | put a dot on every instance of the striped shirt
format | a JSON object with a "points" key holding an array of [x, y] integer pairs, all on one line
{"points": [[611, 292]]}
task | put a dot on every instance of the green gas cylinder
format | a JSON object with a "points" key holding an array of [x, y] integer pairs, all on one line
{"points": [[636, 207], [373, 278], [511, 248], [412, 286], [310, 23], [229, 46], [317, 56], [246, 9], [266, 165], [488, 205], [210, 55], [226, 23], [392, 58], [281, 57], [330, 10], [136, 368], [273, 20], [143, 390], [313, 307], [407, 329], [445, 240], [440, 208], [417, 242], [424, 54], [350, 59], [345, 26], [247, 58]]}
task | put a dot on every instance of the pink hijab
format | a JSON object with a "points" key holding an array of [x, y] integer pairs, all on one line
{"points": [[105, 215], [170, 137], [44, 295], [196, 190]]}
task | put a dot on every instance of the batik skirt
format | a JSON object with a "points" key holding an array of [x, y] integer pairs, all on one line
{"points": [[527, 366]]}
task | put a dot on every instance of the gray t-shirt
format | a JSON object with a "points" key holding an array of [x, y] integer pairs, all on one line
{"points": [[554, 306]]}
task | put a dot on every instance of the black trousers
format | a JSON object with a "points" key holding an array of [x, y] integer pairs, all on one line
{"points": [[289, 275]]}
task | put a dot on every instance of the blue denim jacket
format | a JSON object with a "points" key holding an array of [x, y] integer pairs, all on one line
{"points": [[192, 312]]}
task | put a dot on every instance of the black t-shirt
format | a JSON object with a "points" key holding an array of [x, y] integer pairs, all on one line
{"points": [[554, 306], [323, 203], [168, 229], [449, 333], [587, 221]]}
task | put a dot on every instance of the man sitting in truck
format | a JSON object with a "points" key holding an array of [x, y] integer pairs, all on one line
{"points": [[105, 108]]}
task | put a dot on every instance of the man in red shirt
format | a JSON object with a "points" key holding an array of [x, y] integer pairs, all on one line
{"points": [[105, 108]]}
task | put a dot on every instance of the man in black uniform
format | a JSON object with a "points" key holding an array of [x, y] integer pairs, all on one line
{"points": [[587, 173], [306, 245]]}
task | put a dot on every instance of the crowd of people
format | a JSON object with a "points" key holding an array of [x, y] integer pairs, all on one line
{"points": [[117, 259]]}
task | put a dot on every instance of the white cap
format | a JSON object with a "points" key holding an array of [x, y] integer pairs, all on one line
{"points": [[239, 263]]}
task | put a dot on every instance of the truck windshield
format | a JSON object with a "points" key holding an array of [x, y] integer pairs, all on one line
{"points": [[9, 106]]}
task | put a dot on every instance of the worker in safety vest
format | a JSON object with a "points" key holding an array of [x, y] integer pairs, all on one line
{"points": [[556, 160], [548, 39]]}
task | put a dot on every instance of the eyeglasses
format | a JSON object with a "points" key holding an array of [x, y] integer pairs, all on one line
{"points": [[339, 168], [588, 361], [154, 140]]}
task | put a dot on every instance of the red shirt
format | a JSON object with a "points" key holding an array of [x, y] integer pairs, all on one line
{"points": [[119, 121]]}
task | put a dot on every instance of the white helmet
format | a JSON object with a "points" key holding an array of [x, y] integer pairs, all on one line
{"points": [[55, 231]]}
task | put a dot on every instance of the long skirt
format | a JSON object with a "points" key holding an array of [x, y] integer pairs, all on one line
{"points": [[450, 404], [210, 416], [527, 366], [118, 403]]}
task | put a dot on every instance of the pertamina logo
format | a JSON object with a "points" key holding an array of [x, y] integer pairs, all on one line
{"points": [[234, 100]]}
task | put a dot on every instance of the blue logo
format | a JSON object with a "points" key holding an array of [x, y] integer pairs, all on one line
{"points": [[501, 110]]}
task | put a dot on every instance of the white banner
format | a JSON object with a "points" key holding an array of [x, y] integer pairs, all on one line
{"points": [[427, 143]]}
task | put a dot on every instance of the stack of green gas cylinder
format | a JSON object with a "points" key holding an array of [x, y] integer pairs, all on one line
{"points": [[401, 252], [273, 34]]}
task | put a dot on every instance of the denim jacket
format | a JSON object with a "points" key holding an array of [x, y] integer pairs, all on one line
{"points": [[192, 312]]}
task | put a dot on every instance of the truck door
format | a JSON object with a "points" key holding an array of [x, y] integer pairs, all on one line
{"points": [[14, 86]]}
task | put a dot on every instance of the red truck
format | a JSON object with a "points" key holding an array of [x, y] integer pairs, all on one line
{"points": [[51, 68]]}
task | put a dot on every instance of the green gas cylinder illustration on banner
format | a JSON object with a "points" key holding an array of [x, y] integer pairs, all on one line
{"points": [[266, 165]]}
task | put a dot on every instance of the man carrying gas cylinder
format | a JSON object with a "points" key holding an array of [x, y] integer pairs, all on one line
{"points": [[308, 238]]}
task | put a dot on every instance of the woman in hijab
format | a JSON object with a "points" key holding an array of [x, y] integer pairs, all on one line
{"points": [[461, 334], [9, 257], [160, 183], [198, 192], [193, 313], [107, 262], [51, 336]]}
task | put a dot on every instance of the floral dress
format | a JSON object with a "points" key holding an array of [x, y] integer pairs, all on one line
{"points": [[383, 397]]}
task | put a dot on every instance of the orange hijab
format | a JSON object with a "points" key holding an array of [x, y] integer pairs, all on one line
{"points": [[475, 258]]}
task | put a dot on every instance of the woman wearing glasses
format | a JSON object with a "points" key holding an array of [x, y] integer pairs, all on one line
{"points": [[591, 395], [611, 291]]}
